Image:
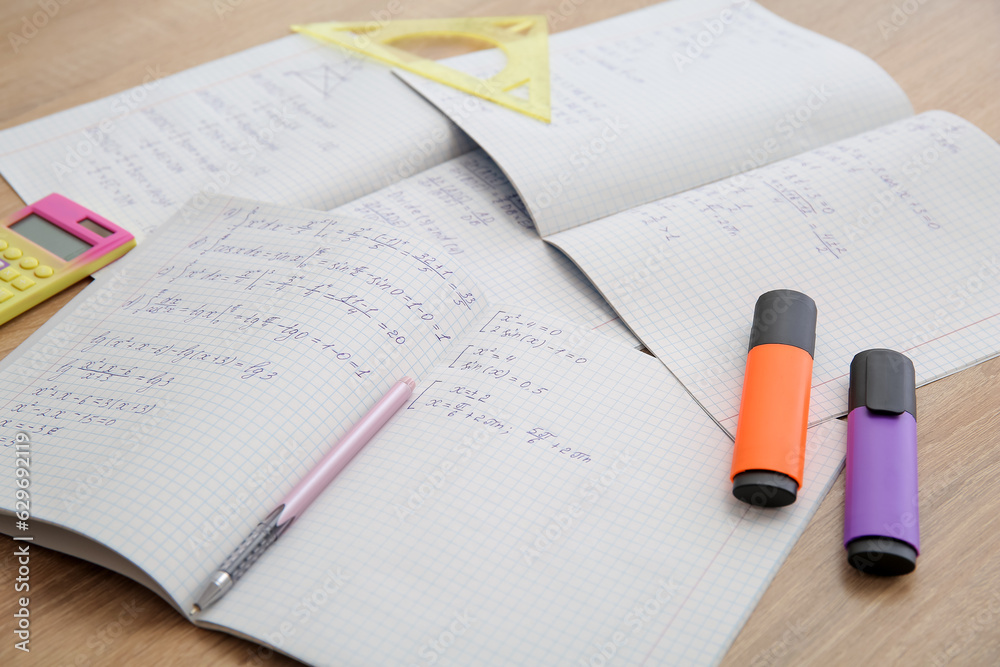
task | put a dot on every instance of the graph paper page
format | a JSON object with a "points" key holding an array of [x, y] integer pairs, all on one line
{"points": [[892, 233], [546, 492], [668, 98], [290, 121], [209, 371], [468, 207]]}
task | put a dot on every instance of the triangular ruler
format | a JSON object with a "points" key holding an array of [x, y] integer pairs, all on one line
{"points": [[524, 41]]}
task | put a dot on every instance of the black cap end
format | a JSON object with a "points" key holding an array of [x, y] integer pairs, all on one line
{"points": [[881, 556], [883, 381], [764, 488], [784, 317]]}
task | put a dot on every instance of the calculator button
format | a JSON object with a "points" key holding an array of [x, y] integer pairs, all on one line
{"points": [[3, 244], [23, 283], [9, 274], [12, 253], [44, 271], [5, 294], [29, 263]]}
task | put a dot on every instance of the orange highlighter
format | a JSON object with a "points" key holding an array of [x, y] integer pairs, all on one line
{"points": [[769, 455]]}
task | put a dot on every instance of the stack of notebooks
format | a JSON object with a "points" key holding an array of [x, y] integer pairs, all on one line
{"points": [[551, 495]]}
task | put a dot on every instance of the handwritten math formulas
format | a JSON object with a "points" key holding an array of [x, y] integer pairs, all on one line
{"points": [[528, 331]]}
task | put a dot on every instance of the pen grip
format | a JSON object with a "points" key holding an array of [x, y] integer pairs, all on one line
{"points": [[252, 546]]}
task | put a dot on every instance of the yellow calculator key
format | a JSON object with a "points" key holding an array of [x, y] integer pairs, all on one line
{"points": [[58, 242], [23, 283]]}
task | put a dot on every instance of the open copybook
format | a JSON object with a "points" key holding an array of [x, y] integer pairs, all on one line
{"points": [[547, 495]]}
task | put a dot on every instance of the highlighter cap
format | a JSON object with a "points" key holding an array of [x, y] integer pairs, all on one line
{"points": [[883, 381], [784, 317]]}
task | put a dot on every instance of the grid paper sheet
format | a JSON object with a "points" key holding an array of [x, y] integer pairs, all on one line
{"points": [[195, 384], [668, 98], [291, 121], [544, 496], [892, 233], [469, 208]]}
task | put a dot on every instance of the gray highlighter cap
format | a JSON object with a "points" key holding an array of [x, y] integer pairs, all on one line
{"points": [[883, 381], [784, 317]]}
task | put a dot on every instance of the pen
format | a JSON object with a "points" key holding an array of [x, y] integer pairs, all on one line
{"points": [[300, 497]]}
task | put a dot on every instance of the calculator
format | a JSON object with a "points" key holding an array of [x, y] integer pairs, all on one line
{"points": [[48, 246]]}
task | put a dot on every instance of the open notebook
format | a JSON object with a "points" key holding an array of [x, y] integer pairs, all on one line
{"points": [[792, 161], [548, 495]]}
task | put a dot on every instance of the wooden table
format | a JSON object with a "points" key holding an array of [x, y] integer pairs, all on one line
{"points": [[944, 53]]}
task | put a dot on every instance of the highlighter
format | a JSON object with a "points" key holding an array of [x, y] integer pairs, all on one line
{"points": [[769, 454], [881, 528]]}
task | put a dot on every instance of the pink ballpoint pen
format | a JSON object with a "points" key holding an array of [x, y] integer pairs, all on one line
{"points": [[304, 493]]}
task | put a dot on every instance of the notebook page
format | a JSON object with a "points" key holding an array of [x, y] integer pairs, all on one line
{"points": [[212, 369], [290, 121], [468, 207], [546, 492], [668, 98], [892, 233]]}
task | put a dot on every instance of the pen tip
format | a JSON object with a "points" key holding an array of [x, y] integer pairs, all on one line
{"points": [[409, 382], [195, 609]]}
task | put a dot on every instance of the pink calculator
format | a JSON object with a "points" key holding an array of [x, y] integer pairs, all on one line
{"points": [[48, 246]]}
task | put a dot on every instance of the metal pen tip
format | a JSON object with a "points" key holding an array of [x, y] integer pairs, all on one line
{"points": [[217, 586]]}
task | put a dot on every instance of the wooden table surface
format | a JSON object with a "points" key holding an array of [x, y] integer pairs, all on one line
{"points": [[944, 53]]}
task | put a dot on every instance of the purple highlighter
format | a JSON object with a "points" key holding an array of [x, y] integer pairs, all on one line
{"points": [[881, 527]]}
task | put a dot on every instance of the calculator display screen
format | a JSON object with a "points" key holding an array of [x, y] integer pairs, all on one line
{"points": [[54, 239]]}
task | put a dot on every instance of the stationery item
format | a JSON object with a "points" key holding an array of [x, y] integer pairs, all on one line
{"points": [[48, 246], [769, 454], [523, 40], [527, 475], [304, 493], [881, 517]]}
